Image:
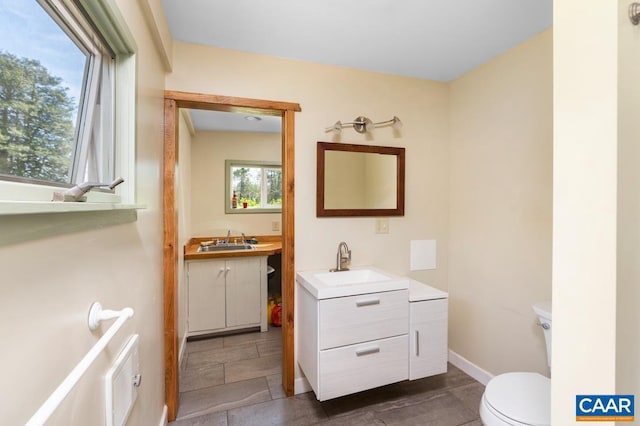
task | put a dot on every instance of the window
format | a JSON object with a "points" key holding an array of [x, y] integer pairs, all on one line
{"points": [[58, 93], [253, 187]]}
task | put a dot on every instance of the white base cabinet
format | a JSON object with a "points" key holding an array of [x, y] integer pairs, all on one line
{"points": [[353, 343], [428, 338], [350, 344], [226, 294]]}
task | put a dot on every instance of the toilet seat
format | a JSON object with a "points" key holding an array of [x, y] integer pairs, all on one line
{"points": [[520, 399]]}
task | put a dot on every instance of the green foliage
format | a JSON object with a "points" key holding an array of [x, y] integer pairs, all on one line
{"points": [[274, 186], [247, 186], [36, 121]]}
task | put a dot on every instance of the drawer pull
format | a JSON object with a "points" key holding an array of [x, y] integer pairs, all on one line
{"points": [[417, 343], [367, 351], [367, 302]]}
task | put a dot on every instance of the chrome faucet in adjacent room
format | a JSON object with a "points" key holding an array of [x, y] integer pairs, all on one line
{"points": [[343, 258]]}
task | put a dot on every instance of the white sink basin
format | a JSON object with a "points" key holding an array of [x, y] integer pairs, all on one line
{"points": [[357, 276], [359, 280]]}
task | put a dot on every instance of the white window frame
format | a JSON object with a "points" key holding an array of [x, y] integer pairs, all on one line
{"points": [[263, 165], [29, 197]]}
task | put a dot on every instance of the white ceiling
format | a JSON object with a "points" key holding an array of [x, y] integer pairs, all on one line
{"points": [[234, 122], [432, 39]]}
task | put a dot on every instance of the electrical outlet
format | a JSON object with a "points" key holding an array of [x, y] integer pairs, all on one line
{"points": [[275, 225], [382, 225]]}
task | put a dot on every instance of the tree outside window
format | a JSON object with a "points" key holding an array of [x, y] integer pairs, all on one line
{"points": [[36, 121], [56, 95]]}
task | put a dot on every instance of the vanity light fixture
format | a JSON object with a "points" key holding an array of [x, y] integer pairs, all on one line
{"points": [[634, 13], [363, 124]]}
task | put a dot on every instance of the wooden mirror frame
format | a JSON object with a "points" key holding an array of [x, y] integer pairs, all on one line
{"points": [[321, 211], [173, 101]]}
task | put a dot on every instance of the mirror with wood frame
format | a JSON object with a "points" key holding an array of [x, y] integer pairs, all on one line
{"points": [[359, 180]]}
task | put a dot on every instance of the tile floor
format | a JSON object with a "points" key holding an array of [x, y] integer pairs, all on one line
{"points": [[235, 380]]}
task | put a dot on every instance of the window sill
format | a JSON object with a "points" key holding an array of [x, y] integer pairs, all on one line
{"points": [[43, 207]]}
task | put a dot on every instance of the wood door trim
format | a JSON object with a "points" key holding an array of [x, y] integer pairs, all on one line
{"points": [[173, 101], [288, 270], [170, 254], [229, 103]]}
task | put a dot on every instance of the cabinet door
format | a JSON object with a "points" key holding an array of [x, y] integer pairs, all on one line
{"points": [[206, 295], [428, 338], [243, 291]]}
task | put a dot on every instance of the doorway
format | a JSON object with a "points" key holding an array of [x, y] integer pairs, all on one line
{"points": [[173, 102]]}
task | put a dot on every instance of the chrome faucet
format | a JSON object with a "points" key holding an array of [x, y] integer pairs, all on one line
{"points": [[77, 192], [343, 257]]}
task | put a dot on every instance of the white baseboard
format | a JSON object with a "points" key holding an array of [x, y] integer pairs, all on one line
{"points": [[183, 346], [301, 385], [470, 368], [163, 419]]}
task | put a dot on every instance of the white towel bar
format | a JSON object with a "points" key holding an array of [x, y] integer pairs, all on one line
{"points": [[96, 314]]}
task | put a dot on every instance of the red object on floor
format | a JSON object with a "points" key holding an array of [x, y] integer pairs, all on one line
{"points": [[276, 316]]}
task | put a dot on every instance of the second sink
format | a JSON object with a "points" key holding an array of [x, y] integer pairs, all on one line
{"points": [[205, 249]]}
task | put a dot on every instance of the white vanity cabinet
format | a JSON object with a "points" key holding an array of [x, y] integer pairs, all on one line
{"points": [[226, 294], [365, 328], [428, 314], [349, 344]]}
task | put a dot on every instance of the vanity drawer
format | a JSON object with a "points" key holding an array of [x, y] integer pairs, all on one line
{"points": [[355, 319], [351, 368]]}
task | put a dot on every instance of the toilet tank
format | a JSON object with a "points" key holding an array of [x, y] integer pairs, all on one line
{"points": [[543, 311]]}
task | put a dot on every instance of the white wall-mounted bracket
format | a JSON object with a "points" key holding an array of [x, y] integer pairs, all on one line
{"points": [[97, 314]]}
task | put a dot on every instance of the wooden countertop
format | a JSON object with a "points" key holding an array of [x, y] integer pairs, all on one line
{"points": [[267, 246]]}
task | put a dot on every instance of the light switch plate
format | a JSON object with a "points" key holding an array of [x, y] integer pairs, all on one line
{"points": [[275, 225], [382, 225]]}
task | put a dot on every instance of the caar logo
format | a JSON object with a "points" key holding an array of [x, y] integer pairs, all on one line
{"points": [[607, 408]]}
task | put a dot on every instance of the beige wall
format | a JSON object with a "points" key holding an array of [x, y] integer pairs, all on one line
{"points": [[208, 154], [628, 314], [48, 286], [584, 202], [327, 94], [500, 208], [330, 93]]}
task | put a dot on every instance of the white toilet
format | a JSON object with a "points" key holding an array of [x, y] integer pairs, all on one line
{"points": [[521, 399]]}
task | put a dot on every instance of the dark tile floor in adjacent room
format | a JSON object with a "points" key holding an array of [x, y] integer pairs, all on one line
{"points": [[235, 380]]}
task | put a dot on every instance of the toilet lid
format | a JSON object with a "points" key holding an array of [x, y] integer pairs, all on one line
{"points": [[523, 397]]}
